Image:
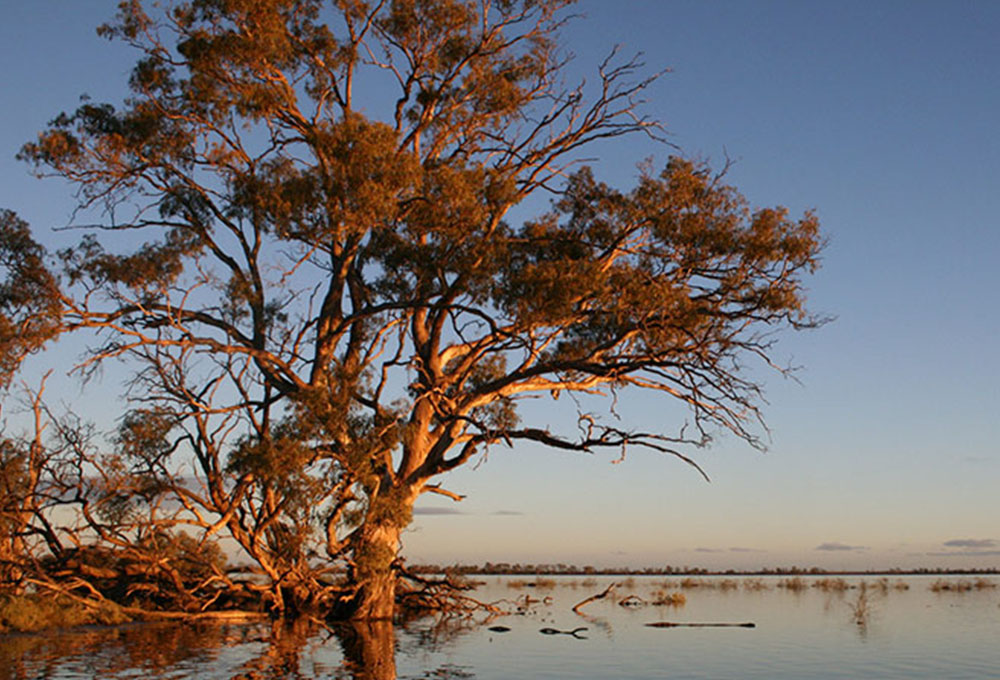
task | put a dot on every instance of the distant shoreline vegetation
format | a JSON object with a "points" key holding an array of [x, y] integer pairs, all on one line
{"points": [[504, 568]]}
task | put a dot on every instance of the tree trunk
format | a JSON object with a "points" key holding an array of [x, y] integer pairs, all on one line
{"points": [[373, 574]]}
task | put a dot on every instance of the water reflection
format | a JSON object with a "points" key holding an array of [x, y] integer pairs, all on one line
{"points": [[345, 651], [846, 629], [148, 650], [369, 649], [281, 653]]}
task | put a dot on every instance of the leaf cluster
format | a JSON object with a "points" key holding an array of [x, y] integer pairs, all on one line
{"points": [[30, 304]]}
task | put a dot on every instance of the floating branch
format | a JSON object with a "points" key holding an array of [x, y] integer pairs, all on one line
{"points": [[633, 601], [599, 596]]}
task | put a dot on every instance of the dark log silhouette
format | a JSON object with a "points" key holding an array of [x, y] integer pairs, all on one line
{"points": [[671, 624]]}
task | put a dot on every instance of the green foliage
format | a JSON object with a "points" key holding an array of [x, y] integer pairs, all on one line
{"points": [[373, 560], [277, 460], [30, 309], [143, 436], [13, 491], [698, 266], [287, 466], [391, 509], [13, 475]]}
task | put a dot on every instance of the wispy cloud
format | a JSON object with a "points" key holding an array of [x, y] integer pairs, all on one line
{"points": [[969, 547], [437, 511], [508, 513], [965, 553], [973, 543], [708, 550], [746, 550], [834, 546]]}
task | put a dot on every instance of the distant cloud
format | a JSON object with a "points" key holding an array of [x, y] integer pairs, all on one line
{"points": [[966, 553], [746, 550], [708, 550], [975, 543], [437, 511], [835, 546], [508, 513]]}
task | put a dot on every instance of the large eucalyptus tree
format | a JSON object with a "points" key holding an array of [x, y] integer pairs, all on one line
{"points": [[331, 306]]}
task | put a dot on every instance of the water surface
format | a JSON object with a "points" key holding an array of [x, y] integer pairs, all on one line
{"points": [[813, 629]]}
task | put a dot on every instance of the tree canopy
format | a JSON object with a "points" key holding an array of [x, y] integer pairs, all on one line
{"points": [[331, 306]]}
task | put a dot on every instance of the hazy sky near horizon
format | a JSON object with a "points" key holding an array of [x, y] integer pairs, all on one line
{"points": [[881, 116]]}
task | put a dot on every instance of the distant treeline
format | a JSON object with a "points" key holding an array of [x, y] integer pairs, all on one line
{"points": [[588, 570]]}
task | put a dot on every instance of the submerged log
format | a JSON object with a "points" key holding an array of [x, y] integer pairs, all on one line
{"points": [[574, 633], [671, 624]]}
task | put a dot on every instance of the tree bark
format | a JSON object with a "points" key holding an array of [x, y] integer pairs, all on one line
{"points": [[373, 573]]}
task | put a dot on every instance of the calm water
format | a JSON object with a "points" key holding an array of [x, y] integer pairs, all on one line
{"points": [[813, 633]]}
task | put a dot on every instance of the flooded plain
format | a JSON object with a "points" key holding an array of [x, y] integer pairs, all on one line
{"points": [[912, 627]]}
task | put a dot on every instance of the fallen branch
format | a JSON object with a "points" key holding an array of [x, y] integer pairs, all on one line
{"points": [[230, 615], [66, 591], [443, 595], [599, 596]]}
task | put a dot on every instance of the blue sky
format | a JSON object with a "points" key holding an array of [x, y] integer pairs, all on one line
{"points": [[882, 117]]}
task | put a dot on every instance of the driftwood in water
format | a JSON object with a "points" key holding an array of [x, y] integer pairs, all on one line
{"points": [[671, 624], [555, 631], [599, 596], [633, 601]]}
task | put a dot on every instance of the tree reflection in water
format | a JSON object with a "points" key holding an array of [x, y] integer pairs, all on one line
{"points": [[369, 649], [155, 650], [251, 651]]}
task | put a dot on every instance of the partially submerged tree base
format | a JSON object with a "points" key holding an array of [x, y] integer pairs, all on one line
{"points": [[76, 591], [418, 595]]}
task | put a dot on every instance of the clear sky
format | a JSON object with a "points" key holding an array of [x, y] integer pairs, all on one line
{"points": [[883, 117]]}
